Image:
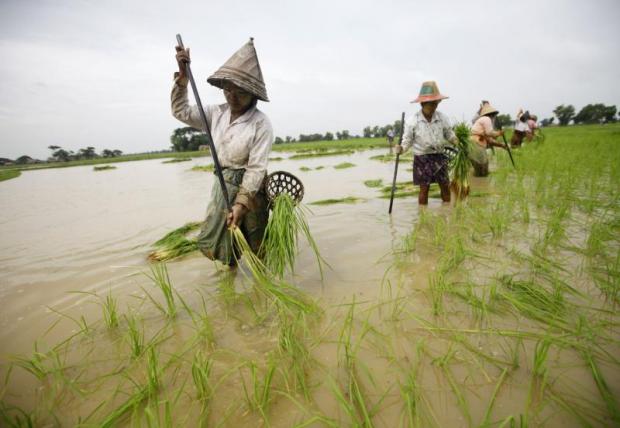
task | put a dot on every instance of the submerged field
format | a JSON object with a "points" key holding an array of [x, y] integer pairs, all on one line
{"points": [[497, 311]]}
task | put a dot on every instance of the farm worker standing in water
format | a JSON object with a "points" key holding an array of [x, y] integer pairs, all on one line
{"points": [[243, 137], [426, 131], [483, 136]]}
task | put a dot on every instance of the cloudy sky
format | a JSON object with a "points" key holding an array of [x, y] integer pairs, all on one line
{"points": [[98, 73]]}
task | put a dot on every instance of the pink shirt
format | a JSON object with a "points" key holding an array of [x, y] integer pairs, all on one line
{"points": [[531, 124], [483, 130]]}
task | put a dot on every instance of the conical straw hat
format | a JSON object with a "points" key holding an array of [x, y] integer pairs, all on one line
{"points": [[487, 109], [243, 70], [429, 92]]}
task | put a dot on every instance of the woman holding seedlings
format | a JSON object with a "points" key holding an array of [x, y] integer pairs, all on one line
{"points": [[483, 136], [242, 136], [426, 132]]}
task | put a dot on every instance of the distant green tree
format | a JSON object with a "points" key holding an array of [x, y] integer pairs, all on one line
{"points": [[289, 139], [329, 136], [367, 132], [564, 114], [107, 153], [52, 148], [278, 140], [547, 122], [117, 152], [62, 155], [595, 113], [187, 139], [344, 135], [503, 120]]}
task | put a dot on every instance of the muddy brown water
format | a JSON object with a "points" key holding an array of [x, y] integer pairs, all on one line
{"points": [[66, 233]]}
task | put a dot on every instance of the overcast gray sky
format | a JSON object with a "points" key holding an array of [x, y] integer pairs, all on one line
{"points": [[98, 73]]}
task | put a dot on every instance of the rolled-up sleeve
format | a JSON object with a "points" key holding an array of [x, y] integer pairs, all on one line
{"points": [[258, 158], [190, 115], [408, 134]]}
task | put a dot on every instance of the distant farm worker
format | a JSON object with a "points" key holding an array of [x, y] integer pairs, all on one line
{"points": [[426, 131], [390, 137], [477, 115], [483, 136], [243, 137], [521, 128], [532, 126]]}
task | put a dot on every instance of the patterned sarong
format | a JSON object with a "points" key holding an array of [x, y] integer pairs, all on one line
{"points": [[215, 240]]}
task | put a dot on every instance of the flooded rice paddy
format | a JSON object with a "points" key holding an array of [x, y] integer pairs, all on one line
{"points": [[500, 311]]}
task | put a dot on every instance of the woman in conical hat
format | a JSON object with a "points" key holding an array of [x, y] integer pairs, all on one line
{"points": [[483, 136], [243, 137], [426, 132]]}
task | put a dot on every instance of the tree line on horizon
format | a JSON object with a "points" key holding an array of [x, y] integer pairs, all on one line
{"points": [[188, 139]]}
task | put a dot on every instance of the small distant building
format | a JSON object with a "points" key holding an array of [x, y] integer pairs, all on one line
{"points": [[25, 160], [6, 161], [203, 148]]}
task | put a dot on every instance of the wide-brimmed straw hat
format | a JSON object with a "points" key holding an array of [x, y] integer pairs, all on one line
{"points": [[487, 109], [243, 70], [429, 92]]}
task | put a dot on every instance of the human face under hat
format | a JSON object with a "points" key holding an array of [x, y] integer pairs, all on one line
{"points": [[238, 99]]}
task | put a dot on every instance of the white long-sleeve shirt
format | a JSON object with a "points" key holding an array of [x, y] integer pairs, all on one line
{"points": [[244, 143], [426, 137]]}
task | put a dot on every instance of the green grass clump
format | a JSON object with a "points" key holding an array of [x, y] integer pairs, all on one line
{"points": [[344, 165], [205, 168], [175, 244], [346, 200], [177, 160], [9, 173], [104, 168], [305, 169], [275, 159], [373, 183], [321, 154]]}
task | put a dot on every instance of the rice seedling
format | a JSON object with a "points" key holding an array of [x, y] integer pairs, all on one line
{"points": [[373, 183], [104, 168], [286, 223], [321, 154], [258, 396], [538, 382], [110, 311], [276, 159], [346, 200], [154, 420], [286, 296], [201, 375], [177, 160], [204, 168], [606, 394], [137, 398], [135, 333], [443, 363], [159, 275], [153, 372], [319, 167], [175, 243], [293, 349], [460, 163], [305, 169], [344, 165], [486, 420], [14, 417], [411, 393], [34, 365]]}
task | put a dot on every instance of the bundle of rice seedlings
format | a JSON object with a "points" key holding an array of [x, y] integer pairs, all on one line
{"points": [[285, 296], [176, 243], [287, 221], [460, 164]]}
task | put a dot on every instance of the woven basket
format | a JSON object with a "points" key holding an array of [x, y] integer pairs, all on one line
{"points": [[280, 182]]}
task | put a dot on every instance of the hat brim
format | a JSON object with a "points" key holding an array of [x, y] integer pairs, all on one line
{"points": [[427, 98], [218, 82]]}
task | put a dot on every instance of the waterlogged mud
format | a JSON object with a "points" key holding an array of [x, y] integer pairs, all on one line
{"points": [[423, 318]]}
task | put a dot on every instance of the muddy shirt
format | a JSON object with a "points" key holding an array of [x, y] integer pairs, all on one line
{"points": [[426, 138], [242, 144]]}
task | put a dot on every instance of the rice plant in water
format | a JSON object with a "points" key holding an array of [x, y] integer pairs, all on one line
{"points": [[460, 164], [159, 275], [110, 311]]}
